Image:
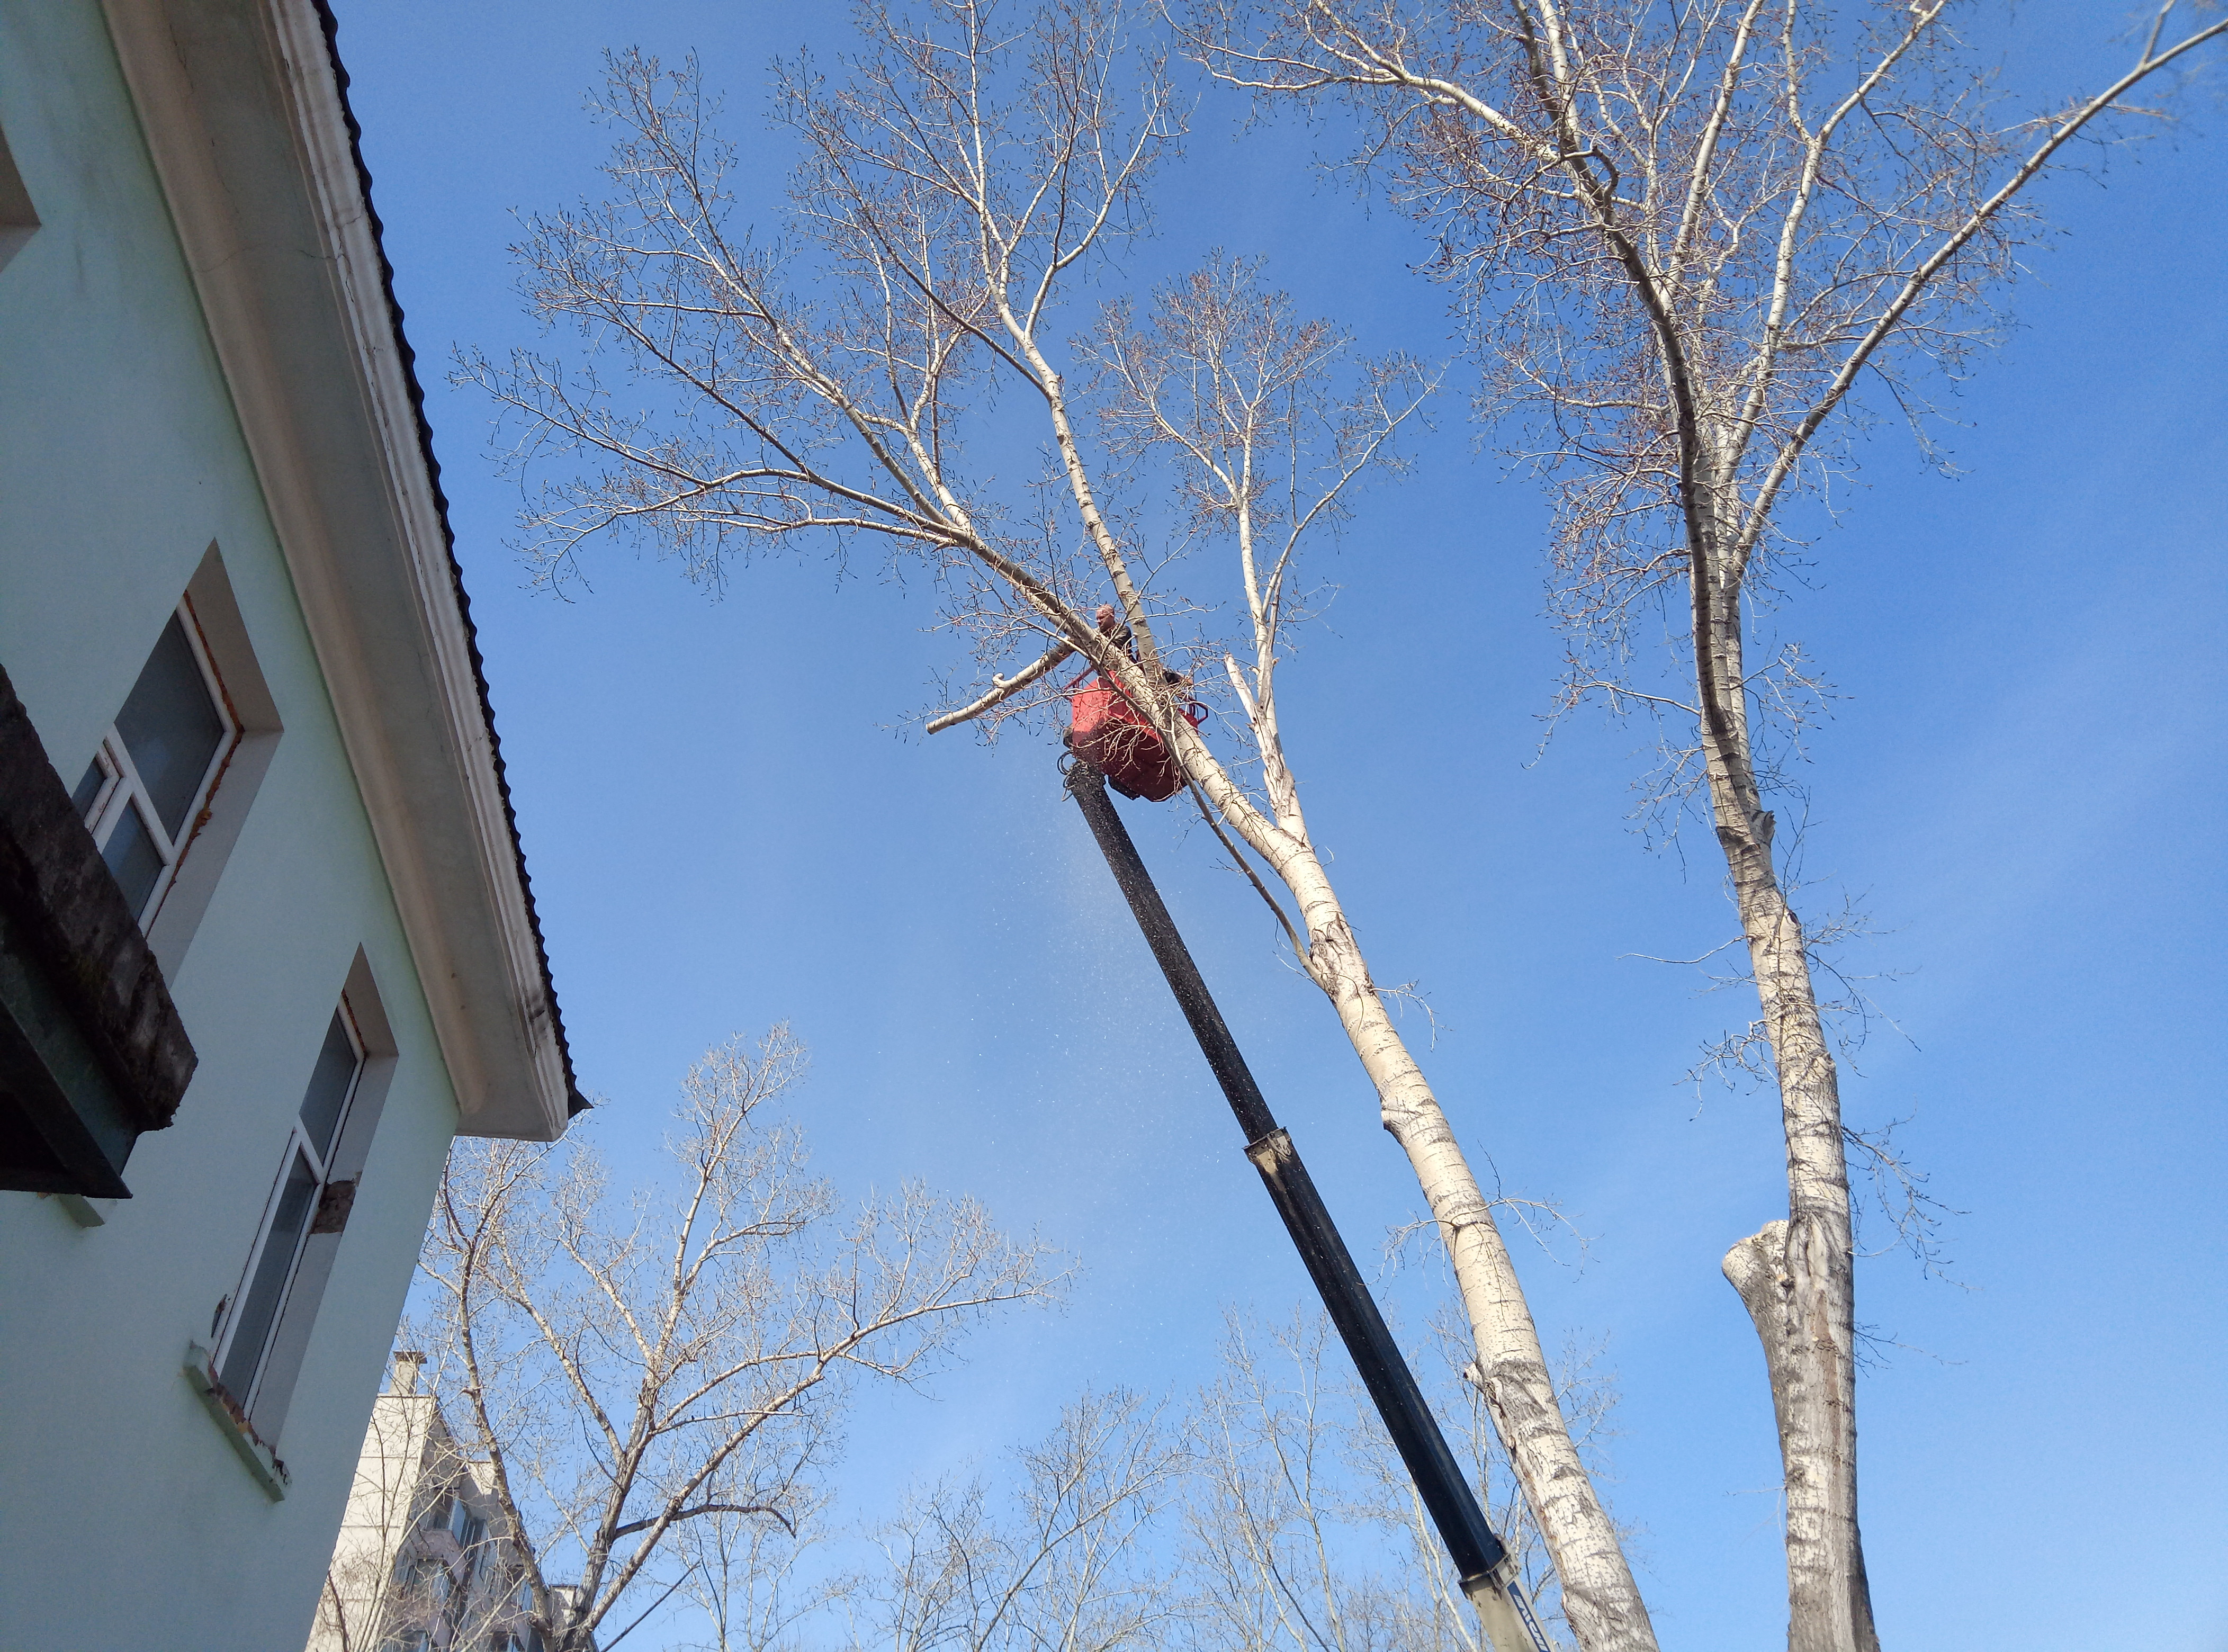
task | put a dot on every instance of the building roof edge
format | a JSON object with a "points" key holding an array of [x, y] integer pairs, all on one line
{"points": [[406, 356]]}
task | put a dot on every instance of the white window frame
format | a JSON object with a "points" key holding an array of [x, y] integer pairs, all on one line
{"points": [[319, 1161], [122, 789]]}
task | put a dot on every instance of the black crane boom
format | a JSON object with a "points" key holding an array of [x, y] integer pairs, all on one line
{"points": [[1480, 1558]]}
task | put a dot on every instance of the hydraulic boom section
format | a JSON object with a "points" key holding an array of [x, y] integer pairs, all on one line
{"points": [[1488, 1572]]}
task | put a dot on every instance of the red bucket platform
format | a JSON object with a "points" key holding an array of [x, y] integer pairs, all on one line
{"points": [[1110, 733]]}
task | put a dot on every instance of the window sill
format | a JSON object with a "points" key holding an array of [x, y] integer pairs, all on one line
{"points": [[262, 1462]]}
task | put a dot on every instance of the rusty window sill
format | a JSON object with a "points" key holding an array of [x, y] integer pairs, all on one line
{"points": [[264, 1464]]}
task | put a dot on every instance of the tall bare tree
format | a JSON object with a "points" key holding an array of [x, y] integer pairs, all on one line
{"points": [[627, 1367], [1699, 240], [859, 379]]}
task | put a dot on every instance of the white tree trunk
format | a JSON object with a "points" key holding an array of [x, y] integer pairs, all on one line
{"points": [[1796, 1276], [1600, 1598], [1794, 1285]]}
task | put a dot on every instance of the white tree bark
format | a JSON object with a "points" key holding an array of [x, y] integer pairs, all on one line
{"points": [[1797, 1275], [1792, 1279], [1600, 1597]]}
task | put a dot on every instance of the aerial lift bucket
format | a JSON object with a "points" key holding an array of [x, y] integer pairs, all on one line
{"points": [[1107, 731]]}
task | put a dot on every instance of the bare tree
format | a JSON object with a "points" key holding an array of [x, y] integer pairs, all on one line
{"points": [[970, 167], [627, 1366], [1272, 1515], [1057, 1564], [1306, 1533], [1276, 1563], [744, 1573], [1692, 234]]}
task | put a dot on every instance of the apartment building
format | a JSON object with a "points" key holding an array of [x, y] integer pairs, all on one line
{"points": [[423, 1563]]}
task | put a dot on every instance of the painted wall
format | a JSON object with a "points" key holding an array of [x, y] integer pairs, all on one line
{"points": [[126, 1521]]}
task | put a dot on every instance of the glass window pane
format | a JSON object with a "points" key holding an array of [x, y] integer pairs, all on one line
{"points": [[88, 789], [328, 1086], [134, 858], [171, 726], [258, 1305]]}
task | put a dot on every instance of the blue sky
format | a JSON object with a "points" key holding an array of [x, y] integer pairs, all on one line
{"points": [[728, 821]]}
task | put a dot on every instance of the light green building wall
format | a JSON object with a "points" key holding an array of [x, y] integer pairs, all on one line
{"points": [[126, 1519]]}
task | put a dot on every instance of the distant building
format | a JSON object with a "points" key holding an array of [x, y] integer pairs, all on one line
{"points": [[267, 943], [423, 1563]]}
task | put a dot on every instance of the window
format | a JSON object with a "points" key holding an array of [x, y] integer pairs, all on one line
{"points": [[467, 1529], [144, 795], [304, 1187]]}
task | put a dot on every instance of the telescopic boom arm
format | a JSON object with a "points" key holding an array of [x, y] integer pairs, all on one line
{"points": [[1488, 1574]]}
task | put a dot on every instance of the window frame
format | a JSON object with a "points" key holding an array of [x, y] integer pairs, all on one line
{"points": [[322, 1162], [121, 788]]}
